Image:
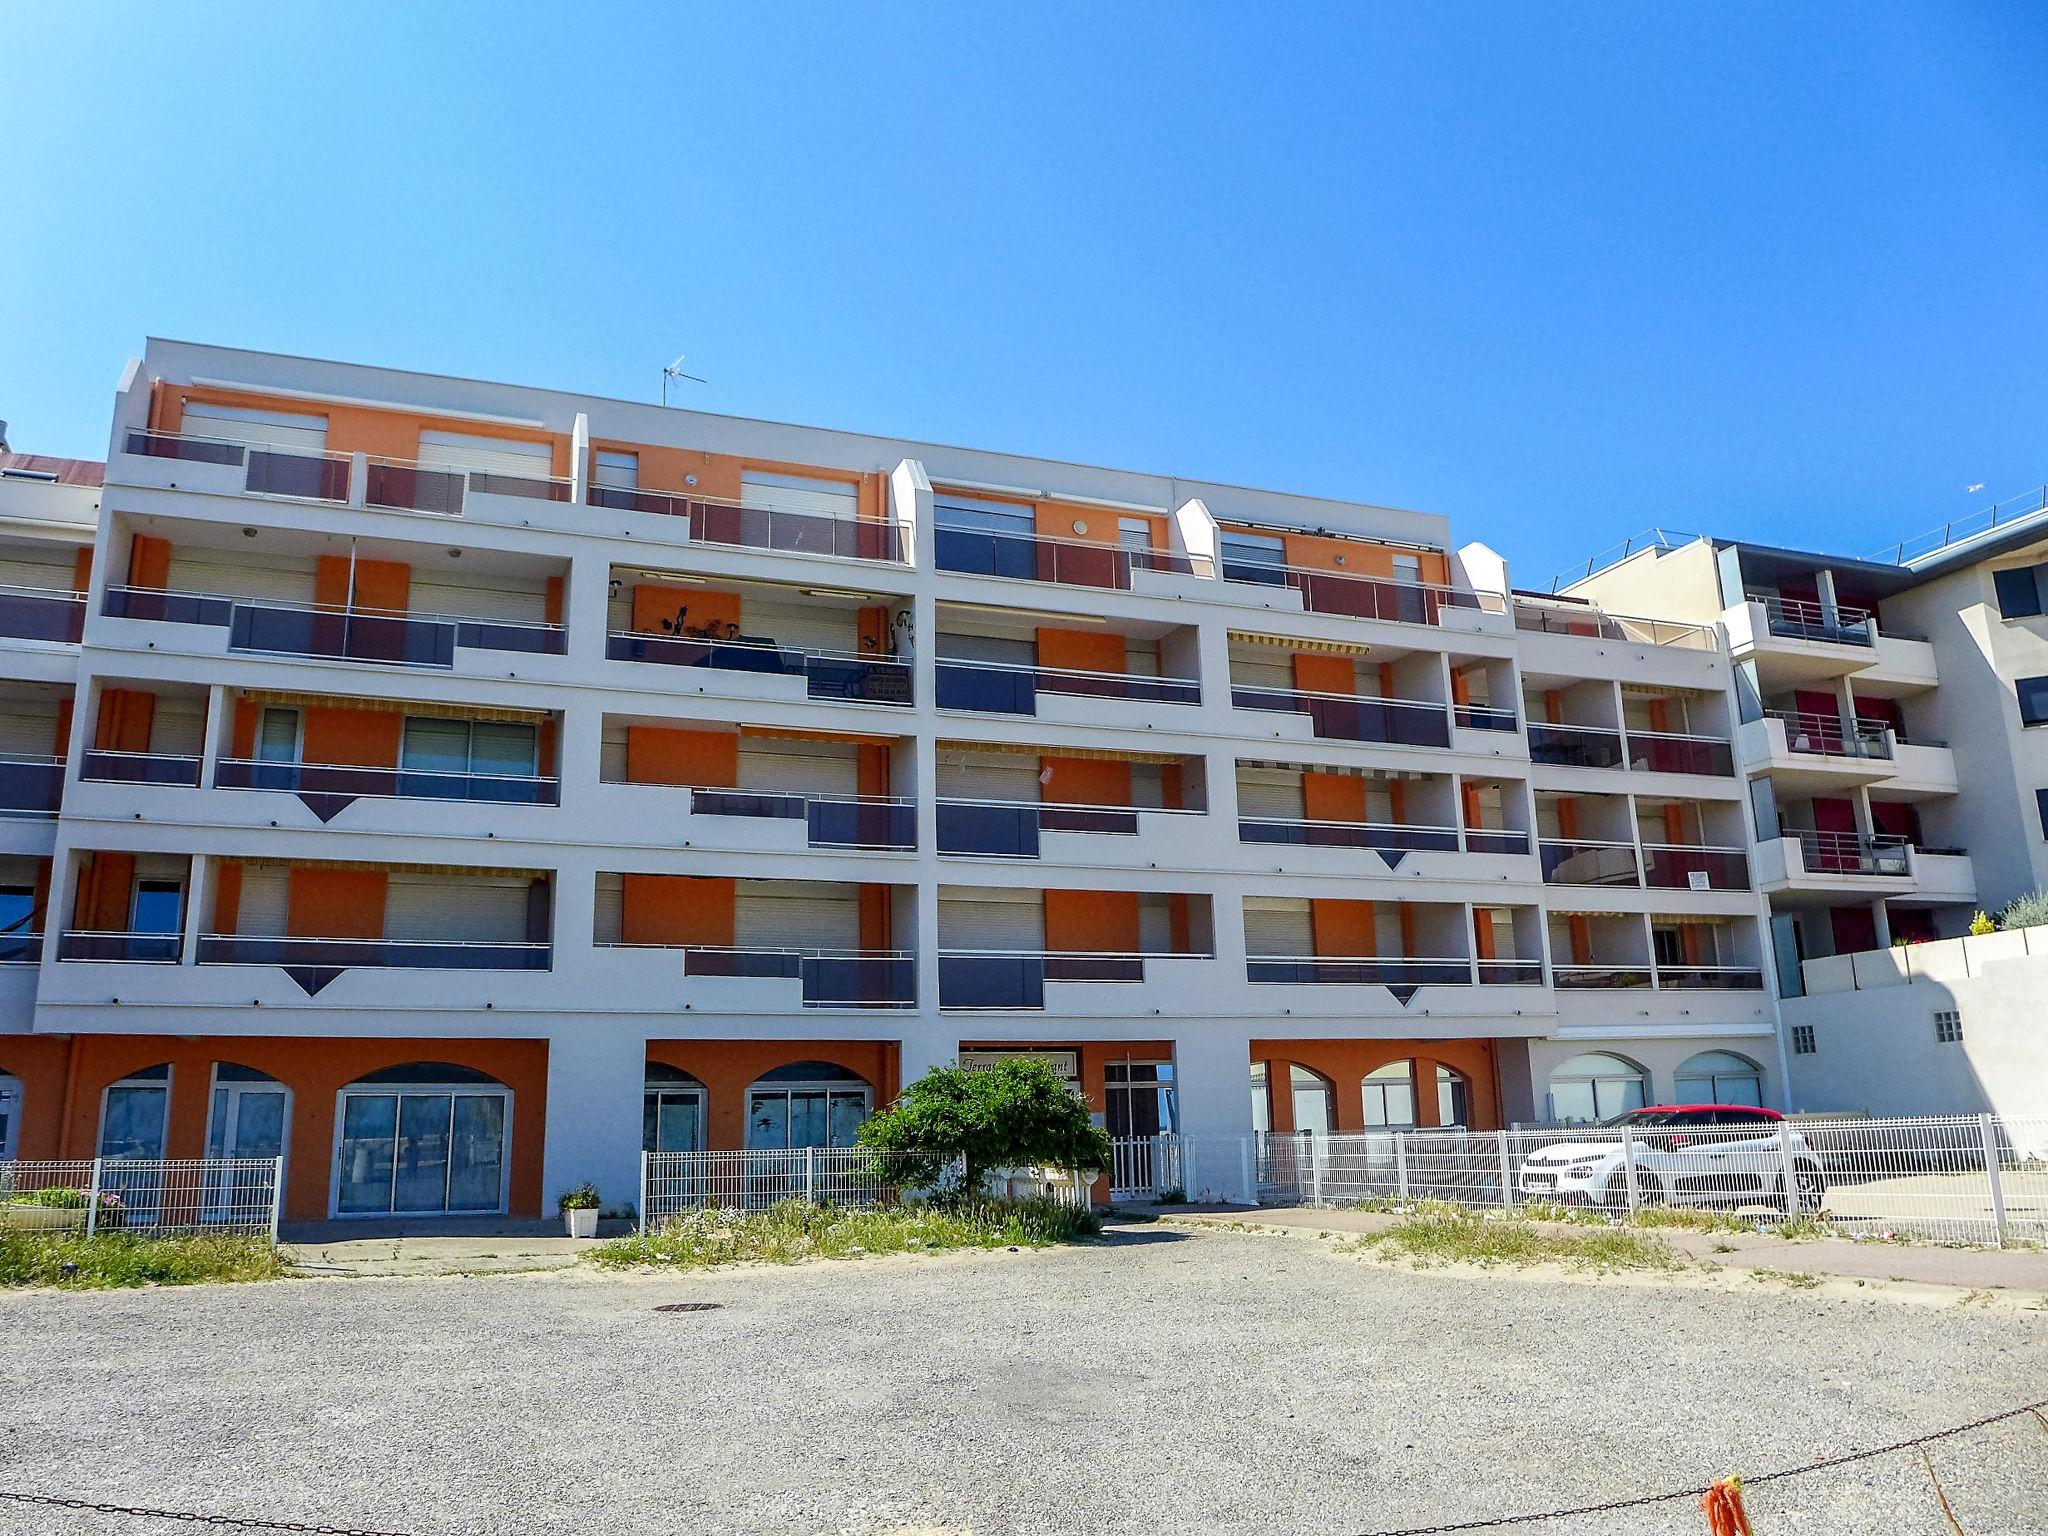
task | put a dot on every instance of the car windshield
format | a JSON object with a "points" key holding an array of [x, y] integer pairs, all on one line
{"points": [[1643, 1117]]}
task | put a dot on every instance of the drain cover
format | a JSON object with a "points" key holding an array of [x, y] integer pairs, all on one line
{"points": [[690, 1306]]}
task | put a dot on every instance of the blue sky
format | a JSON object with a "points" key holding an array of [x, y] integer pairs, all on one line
{"points": [[1559, 273]]}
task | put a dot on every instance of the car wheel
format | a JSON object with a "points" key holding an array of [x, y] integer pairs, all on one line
{"points": [[1811, 1186], [1649, 1191]]}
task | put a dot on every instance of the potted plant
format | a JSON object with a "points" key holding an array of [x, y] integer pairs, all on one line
{"points": [[579, 1209], [55, 1210]]}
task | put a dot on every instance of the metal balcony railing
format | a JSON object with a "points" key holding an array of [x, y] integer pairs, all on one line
{"points": [[1003, 688], [133, 948], [1582, 861], [871, 822], [1575, 746], [384, 954], [1675, 752], [1603, 977], [1017, 978], [1851, 853], [342, 634], [1010, 829], [1830, 735], [299, 475], [42, 613], [1362, 597], [1069, 562], [1510, 973], [1357, 971], [1485, 717], [1689, 866], [1388, 836], [397, 783], [1696, 978], [710, 520], [1496, 840], [1798, 618], [840, 676], [829, 978], [1353, 717], [30, 786]]}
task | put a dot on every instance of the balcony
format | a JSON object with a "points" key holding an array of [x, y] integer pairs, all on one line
{"points": [[1496, 840], [1790, 618], [1583, 862], [830, 675], [31, 786], [1679, 866], [393, 639], [1601, 977], [1483, 717], [1382, 836], [1352, 717], [1011, 979], [1360, 597], [1709, 978], [708, 521], [828, 978], [42, 613], [1834, 861], [999, 688], [262, 471], [1575, 746], [382, 954], [100, 766], [1670, 752], [1068, 562], [1809, 732], [1364, 971], [126, 948], [867, 822], [383, 783]]}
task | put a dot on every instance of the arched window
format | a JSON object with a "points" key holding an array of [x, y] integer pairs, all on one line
{"points": [[247, 1114], [426, 1139], [133, 1112], [1453, 1097], [10, 1117], [1390, 1097], [1315, 1102], [806, 1104], [1597, 1086], [1720, 1077], [671, 1111]]}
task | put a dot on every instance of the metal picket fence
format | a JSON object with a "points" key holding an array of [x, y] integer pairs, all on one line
{"points": [[1955, 1179], [145, 1197], [674, 1182]]}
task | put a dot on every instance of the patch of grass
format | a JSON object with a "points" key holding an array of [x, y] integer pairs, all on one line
{"points": [[1787, 1277], [786, 1233], [1689, 1220], [109, 1260], [1434, 1232]]}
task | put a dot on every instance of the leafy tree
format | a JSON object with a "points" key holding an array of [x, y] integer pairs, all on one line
{"points": [[1015, 1114]]}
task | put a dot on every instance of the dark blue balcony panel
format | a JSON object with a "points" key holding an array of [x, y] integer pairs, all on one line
{"points": [[1575, 746], [859, 981], [1397, 722], [1112, 820], [34, 788], [18, 948], [861, 824], [169, 607], [741, 802], [310, 477], [140, 768], [1330, 834], [1495, 840], [385, 954], [988, 690], [1310, 971], [27, 614], [149, 948], [1511, 973], [504, 635], [387, 783], [995, 831], [991, 981], [1094, 968], [1480, 717], [858, 680]]}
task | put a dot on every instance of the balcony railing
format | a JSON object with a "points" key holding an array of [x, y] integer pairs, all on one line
{"points": [[877, 822], [1670, 752], [1001, 688], [1010, 829], [1851, 853], [1684, 866], [1016, 979], [127, 948], [105, 767], [1830, 735], [1358, 971], [1485, 717], [1583, 862], [1554, 616], [1070, 562], [371, 635], [1510, 973], [1361, 597], [1602, 977], [1698, 978], [1391, 837], [31, 786], [1495, 840], [386, 783], [1575, 746], [829, 978], [1351, 717], [42, 613], [711, 521], [1798, 618], [383, 954], [836, 675], [19, 947], [265, 471]]}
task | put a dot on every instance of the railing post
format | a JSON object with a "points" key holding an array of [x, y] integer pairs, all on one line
{"points": [[1788, 1171], [358, 479], [810, 1175], [276, 1196], [1315, 1169], [640, 1210], [1507, 1173], [1628, 1169], [1251, 1186], [1185, 1145], [92, 1201], [1401, 1167], [1987, 1130]]}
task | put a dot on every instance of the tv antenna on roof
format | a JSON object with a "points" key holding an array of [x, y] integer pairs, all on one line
{"points": [[674, 372]]}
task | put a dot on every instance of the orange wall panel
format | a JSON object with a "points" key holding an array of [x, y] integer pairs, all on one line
{"points": [[106, 883], [1332, 797], [1081, 650], [1342, 928], [727, 1068], [357, 738], [1314, 673], [81, 571], [149, 561], [354, 429], [659, 754], [227, 897], [242, 736], [126, 715], [1104, 921], [1346, 1062], [678, 909], [327, 903], [1085, 781]]}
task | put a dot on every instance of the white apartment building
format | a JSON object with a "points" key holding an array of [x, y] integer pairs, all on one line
{"points": [[470, 786]]}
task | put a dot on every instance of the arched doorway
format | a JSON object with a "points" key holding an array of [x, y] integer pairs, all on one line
{"points": [[806, 1104], [1453, 1096], [672, 1111], [133, 1114], [1597, 1086], [1720, 1077], [1390, 1097], [423, 1139], [1315, 1101]]}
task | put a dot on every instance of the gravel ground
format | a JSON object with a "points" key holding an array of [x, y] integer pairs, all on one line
{"points": [[1167, 1381]]}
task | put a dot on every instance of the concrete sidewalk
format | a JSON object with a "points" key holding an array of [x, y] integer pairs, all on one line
{"points": [[418, 1248], [2020, 1270]]}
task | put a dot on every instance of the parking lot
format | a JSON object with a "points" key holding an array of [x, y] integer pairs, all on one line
{"points": [[1166, 1380]]}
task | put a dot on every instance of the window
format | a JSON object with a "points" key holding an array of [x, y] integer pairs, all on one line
{"points": [[248, 1113], [806, 1104], [621, 470], [2033, 692], [1262, 1101], [277, 736], [426, 1139], [1134, 533], [1453, 1097], [1315, 1102], [1803, 1041], [17, 919], [1255, 549], [2020, 591], [1720, 1077], [1948, 1026], [156, 907], [10, 1117], [967, 512], [132, 1114], [1408, 570], [1596, 1086], [1140, 1098], [2041, 805], [506, 749], [1390, 1097], [671, 1111]]}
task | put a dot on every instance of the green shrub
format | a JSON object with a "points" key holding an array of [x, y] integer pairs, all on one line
{"points": [[2029, 911], [1436, 1232], [59, 1198], [584, 1197], [1016, 1114], [793, 1230], [111, 1259]]}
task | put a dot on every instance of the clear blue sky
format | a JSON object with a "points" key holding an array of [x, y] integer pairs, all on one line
{"points": [[1557, 272]]}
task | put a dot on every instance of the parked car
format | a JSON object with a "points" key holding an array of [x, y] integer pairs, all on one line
{"points": [[1685, 1154]]}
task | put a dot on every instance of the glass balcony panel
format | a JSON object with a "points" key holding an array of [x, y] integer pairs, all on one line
{"points": [[858, 679], [1365, 971], [27, 613], [1716, 869], [991, 981], [509, 635], [987, 690], [1118, 685], [310, 477], [140, 768], [21, 948], [1348, 834], [1574, 746], [1696, 978], [173, 445], [862, 824], [489, 483], [1511, 973], [384, 954], [1088, 818], [1680, 754], [32, 787], [342, 636], [1587, 863], [1600, 976], [1073, 967], [786, 964], [1480, 717], [162, 607], [413, 489], [140, 948], [1495, 840], [859, 981], [995, 831], [741, 802]]}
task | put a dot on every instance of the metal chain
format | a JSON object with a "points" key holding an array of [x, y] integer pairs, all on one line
{"points": [[190, 1517], [1843, 1460]]}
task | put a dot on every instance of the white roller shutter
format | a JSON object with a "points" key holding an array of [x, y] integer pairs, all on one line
{"points": [[179, 726], [259, 429], [1009, 653], [211, 571], [609, 926], [1277, 926], [797, 493], [1270, 793], [1006, 922], [611, 755], [811, 626], [266, 891], [1264, 670], [816, 772], [484, 911], [494, 455], [620, 470], [1016, 780], [479, 599], [28, 728], [53, 575], [1155, 923], [785, 921]]}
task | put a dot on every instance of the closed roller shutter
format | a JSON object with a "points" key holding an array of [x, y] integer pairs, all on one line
{"points": [[495, 455], [1155, 923], [179, 726], [1270, 794], [796, 922], [479, 600], [1265, 670], [266, 890], [804, 626], [621, 470], [481, 911], [1010, 653], [1013, 781], [800, 772], [42, 575], [28, 728], [267, 581], [259, 429], [796, 493], [1005, 922], [609, 925], [1277, 927], [611, 755]]}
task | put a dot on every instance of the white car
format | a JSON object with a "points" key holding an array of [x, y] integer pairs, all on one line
{"points": [[1685, 1154]]}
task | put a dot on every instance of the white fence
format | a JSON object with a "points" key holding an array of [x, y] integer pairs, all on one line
{"points": [[674, 1182], [1961, 1179], [153, 1197]]}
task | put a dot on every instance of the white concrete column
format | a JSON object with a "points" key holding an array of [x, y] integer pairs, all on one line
{"points": [[218, 729], [925, 1045], [1881, 920], [579, 460], [196, 881], [596, 1076], [586, 597], [1212, 1067]]}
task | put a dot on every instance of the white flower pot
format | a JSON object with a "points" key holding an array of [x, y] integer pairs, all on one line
{"points": [[23, 1217], [581, 1223]]}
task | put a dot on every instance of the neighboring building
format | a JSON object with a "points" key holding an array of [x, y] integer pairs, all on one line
{"points": [[472, 785]]}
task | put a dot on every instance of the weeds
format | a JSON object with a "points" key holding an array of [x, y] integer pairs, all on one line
{"points": [[1793, 1278], [791, 1231], [1434, 1232], [109, 1260]]}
